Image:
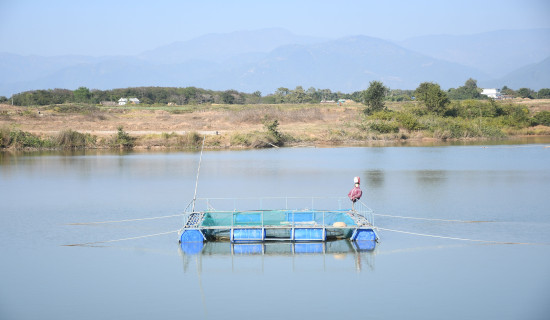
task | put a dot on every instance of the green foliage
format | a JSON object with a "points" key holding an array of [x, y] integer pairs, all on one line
{"points": [[240, 139], [474, 109], [433, 97], [122, 139], [11, 137], [384, 126], [543, 93], [507, 91], [405, 120], [298, 95], [73, 108], [42, 97], [415, 109], [227, 97], [21, 139], [177, 96], [5, 138], [400, 95], [267, 139], [82, 94], [3, 99], [515, 116], [409, 121], [192, 139], [374, 96], [542, 118], [271, 99], [382, 115], [468, 91], [272, 127], [526, 93]]}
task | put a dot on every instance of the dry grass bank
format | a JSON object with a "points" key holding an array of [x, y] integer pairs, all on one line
{"points": [[224, 125]]}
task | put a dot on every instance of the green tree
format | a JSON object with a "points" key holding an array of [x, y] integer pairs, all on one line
{"points": [[468, 91], [433, 97], [122, 139], [298, 95], [82, 94], [526, 93], [507, 91], [543, 93], [227, 97], [281, 95], [374, 96], [543, 118]]}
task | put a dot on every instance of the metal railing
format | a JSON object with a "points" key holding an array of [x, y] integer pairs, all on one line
{"points": [[362, 209], [270, 203], [319, 205]]}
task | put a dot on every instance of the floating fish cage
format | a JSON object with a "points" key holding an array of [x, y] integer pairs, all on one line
{"points": [[294, 219]]}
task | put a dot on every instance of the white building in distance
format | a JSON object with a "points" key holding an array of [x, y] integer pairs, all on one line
{"points": [[123, 101], [492, 93]]}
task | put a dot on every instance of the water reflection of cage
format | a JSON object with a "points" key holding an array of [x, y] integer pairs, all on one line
{"points": [[252, 256]]}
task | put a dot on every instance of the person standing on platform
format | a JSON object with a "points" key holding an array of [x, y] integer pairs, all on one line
{"points": [[355, 193]]}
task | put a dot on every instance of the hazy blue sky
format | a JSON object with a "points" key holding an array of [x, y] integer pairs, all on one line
{"points": [[101, 27]]}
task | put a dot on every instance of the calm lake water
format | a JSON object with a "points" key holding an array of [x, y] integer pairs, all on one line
{"points": [[405, 276]]}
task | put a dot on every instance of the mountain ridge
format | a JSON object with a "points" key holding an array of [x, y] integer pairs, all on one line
{"points": [[220, 62]]}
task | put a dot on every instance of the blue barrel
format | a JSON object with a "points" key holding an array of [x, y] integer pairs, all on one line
{"points": [[191, 235], [363, 235]]}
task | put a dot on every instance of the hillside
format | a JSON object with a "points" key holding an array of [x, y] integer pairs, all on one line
{"points": [[267, 59], [530, 76], [495, 53]]}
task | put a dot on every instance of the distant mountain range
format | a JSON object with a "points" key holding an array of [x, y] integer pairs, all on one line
{"points": [[267, 59]]}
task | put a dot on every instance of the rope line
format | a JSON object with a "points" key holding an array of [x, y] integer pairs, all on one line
{"points": [[127, 220], [198, 171], [117, 240], [430, 219], [461, 239]]}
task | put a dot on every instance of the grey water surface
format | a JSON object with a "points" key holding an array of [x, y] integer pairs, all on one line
{"points": [[503, 190]]}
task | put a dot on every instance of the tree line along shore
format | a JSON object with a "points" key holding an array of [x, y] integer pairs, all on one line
{"points": [[375, 115], [193, 95]]}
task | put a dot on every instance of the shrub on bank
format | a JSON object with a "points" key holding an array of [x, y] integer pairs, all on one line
{"points": [[5, 139], [69, 139], [122, 139], [190, 139], [21, 139], [542, 118], [409, 121], [384, 126]]}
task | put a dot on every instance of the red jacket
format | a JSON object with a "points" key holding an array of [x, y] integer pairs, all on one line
{"points": [[355, 194]]}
